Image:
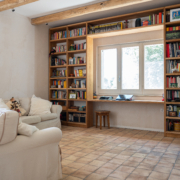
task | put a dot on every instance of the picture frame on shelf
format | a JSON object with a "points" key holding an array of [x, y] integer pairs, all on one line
{"points": [[72, 95], [177, 53], [175, 15]]}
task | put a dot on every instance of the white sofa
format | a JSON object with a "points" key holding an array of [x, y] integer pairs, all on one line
{"points": [[28, 158], [40, 121]]}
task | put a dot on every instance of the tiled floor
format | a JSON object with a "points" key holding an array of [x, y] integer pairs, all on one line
{"points": [[115, 153]]}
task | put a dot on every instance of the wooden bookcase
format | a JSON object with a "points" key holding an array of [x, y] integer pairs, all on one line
{"points": [[166, 59], [89, 59]]}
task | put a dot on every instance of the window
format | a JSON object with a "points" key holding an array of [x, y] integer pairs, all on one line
{"points": [[136, 68]]}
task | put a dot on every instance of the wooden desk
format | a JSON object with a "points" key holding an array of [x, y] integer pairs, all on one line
{"points": [[134, 101]]}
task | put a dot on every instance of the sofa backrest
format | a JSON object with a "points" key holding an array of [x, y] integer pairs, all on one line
{"points": [[9, 121]]}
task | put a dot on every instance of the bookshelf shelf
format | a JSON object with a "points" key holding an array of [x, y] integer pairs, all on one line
{"points": [[168, 117], [173, 74], [76, 99], [76, 88], [77, 51], [60, 66], [76, 65], [172, 89], [55, 99], [83, 77], [173, 132], [58, 40], [58, 78], [57, 88], [172, 40], [76, 38], [172, 23], [127, 31], [58, 53], [172, 102], [84, 112], [173, 58]]}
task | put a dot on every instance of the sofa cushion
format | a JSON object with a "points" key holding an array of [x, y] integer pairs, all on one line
{"points": [[47, 117], [3, 105], [30, 119], [39, 106], [25, 103], [9, 121]]}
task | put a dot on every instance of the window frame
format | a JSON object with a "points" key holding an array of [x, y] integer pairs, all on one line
{"points": [[141, 91]]}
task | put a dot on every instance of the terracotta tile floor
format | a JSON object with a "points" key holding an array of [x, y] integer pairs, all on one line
{"points": [[118, 153]]}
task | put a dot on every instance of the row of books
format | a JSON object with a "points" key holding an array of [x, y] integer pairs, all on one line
{"points": [[105, 27], [170, 125], [59, 83], [77, 60], [59, 94], [172, 108], [156, 18], [80, 73], [174, 28], [81, 94], [59, 35], [61, 48], [171, 80], [59, 73], [173, 49], [79, 46], [62, 103], [173, 95], [57, 61], [171, 65], [80, 83], [77, 32]]}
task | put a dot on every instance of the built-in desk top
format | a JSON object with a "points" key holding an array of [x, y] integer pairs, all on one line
{"points": [[134, 101]]}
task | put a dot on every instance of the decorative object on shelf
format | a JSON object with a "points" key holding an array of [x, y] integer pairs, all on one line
{"points": [[53, 50], [176, 126], [173, 85], [177, 53], [126, 24], [73, 85], [70, 86], [78, 97], [80, 108], [138, 22], [53, 86], [162, 97], [71, 47], [172, 113], [175, 15], [71, 75], [94, 96], [72, 95]]}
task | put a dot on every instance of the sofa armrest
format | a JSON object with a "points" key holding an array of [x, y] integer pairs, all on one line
{"points": [[38, 139], [56, 109]]}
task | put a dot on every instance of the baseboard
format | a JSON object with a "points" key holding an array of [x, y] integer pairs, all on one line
{"points": [[139, 128]]}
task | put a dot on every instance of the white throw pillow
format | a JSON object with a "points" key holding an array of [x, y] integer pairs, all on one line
{"points": [[3, 105], [39, 106], [26, 129]]}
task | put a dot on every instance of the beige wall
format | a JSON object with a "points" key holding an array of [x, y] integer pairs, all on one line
{"points": [[139, 116], [23, 57]]}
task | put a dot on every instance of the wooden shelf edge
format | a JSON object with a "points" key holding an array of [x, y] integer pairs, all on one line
{"points": [[52, 99], [57, 88], [74, 65], [83, 77], [77, 37], [60, 66], [59, 40], [172, 40], [76, 99], [77, 51], [175, 118]]}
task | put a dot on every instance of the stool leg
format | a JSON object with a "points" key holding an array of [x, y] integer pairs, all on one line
{"points": [[96, 119], [100, 121], [108, 121], [104, 120]]}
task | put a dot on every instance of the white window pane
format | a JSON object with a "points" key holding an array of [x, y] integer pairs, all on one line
{"points": [[130, 67], [109, 69], [154, 66]]}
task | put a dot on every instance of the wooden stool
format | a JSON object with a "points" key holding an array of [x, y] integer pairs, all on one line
{"points": [[102, 114]]}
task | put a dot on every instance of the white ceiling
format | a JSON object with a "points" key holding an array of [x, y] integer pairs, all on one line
{"points": [[45, 7]]}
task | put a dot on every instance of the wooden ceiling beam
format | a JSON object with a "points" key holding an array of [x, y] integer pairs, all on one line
{"points": [[10, 4], [103, 6]]}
